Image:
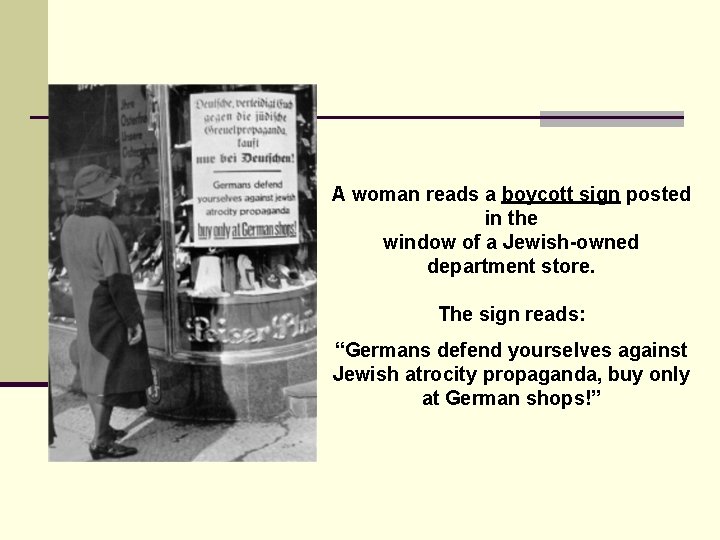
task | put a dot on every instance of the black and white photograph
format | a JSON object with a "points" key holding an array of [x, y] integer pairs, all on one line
{"points": [[182, 272]]}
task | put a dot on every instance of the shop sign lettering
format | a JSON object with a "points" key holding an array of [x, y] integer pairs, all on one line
{"points": [[244, 169], [138, 147], [288, 325]]}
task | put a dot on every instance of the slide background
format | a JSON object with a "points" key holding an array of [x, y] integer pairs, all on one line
{"points": [[640, 461]]}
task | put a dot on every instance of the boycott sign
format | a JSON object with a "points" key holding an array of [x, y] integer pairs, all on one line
{"points": [[244, 169], [138, 149]]}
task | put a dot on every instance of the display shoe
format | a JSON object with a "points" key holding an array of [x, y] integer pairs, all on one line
{"points": [[271, 279], [245, 268], [291, 276], [111, 450]]}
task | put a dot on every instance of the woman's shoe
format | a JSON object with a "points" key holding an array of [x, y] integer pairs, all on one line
{"points": [[111, 450], [116, 434]]}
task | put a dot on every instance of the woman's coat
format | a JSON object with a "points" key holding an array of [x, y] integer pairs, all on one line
{"points": [[106, 306]]}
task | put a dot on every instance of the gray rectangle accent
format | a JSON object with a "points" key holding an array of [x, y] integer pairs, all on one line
{"points": [[612, 122]]}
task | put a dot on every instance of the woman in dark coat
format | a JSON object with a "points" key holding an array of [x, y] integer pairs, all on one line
{"points": [[112, 348]]}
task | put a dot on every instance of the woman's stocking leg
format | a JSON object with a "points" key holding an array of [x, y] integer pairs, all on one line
{"points": [[101, 414]]}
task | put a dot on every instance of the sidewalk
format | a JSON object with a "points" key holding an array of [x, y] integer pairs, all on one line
{"points": [[286, 438]]}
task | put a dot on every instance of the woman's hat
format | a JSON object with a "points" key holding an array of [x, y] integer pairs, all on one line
{"points": [[93, 181]]}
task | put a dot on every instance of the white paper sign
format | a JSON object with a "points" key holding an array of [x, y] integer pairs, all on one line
{"points": [[244, 169], [138, 148]]}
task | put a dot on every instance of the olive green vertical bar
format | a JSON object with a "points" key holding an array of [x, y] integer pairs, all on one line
{"points": [[23, 215]]}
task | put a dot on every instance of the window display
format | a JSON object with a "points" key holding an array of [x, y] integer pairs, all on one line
{"points": [[218, 231], [120, 129]]}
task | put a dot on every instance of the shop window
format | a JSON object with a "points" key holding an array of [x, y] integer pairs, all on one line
{"points": [[251, 285], [230, 268], [108, 126]]}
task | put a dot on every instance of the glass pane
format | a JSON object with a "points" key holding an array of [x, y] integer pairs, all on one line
{"points": [[246, 233], [108, 126]]}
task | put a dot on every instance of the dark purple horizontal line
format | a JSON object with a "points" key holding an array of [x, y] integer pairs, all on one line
{"points": [[510, 117], [483, 117], [23, 384]]}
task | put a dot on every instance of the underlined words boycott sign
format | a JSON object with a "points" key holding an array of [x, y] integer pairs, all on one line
{"points": [[244, 169]]}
